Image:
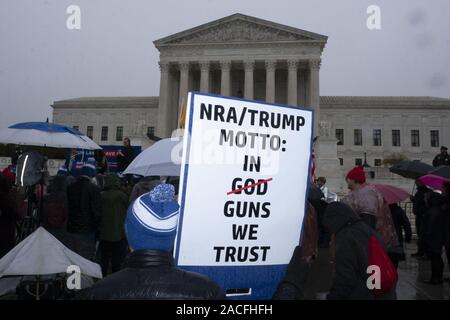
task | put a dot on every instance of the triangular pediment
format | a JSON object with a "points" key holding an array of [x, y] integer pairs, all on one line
{"points": [[239, 28]]}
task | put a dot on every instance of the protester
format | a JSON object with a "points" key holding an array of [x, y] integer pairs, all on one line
{"points": [[433, 236], [125, 155], [151, 273], [442, 159], [351, 254], [101, 162], [419, 209], [55, 208], [310, 238], [99, 181], [145, 185], [113, 244], [370, 205], [9, 174], [446, 211], [315, 198], [16, 154], [402, 224], [292, 284], [321, 184], [7, 216], [84, 212]]}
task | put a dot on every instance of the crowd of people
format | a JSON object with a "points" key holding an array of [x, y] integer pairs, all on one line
{"points": [[129, 228]]}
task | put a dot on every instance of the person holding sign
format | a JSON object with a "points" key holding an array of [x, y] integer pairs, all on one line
{"points": [[151, 226]]}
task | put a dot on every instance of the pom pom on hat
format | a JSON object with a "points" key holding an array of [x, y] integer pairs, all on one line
{"points": [[152, 220]]}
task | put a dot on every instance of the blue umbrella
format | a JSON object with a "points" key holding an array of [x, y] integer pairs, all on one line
{"points": [[47, 135]]}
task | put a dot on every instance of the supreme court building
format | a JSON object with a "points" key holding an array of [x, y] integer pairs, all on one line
{"points": [[251, 58]]}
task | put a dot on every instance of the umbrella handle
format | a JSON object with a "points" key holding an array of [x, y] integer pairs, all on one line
{"points": [[413, 188]]}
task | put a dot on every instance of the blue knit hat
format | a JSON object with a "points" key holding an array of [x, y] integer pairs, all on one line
{"points": [[89, 168], [152, 220]]}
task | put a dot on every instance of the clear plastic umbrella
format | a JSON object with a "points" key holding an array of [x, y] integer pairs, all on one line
{"points": [[161, 159]]}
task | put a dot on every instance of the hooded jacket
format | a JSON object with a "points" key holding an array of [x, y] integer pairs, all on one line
{"points": [[351, 257], [114, 210]]}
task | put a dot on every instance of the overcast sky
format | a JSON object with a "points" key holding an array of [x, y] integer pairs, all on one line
{"points": [[113, 55]]}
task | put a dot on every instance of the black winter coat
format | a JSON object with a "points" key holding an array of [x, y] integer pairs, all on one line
{"points": [[125, 160], [151, 274], [446, 211], [351, 257], [292, 285], [433, 225], [418, 201], [85, 209]]}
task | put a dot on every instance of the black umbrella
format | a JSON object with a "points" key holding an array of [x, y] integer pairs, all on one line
{"points": [[411, 169], [442, 171]]}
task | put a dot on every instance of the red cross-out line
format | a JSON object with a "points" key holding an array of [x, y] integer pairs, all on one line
{"points": [[250, 186]]}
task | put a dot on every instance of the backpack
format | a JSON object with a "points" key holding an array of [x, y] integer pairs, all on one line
{"points": [[388, 273]]}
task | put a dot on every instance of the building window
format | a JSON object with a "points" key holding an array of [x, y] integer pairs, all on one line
{"points": [[415, 138], [377, 137], [150, 131], [90, 131], [396, 138], [119, 133], [358, 162], [76, 128], [341, 161], [104, 136], [340, 136], [377, 162], [357, 137], [434, 135]]}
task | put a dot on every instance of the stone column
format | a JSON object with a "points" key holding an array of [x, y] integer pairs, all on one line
{"points": [[225, 67], [314, 91], [164, 113], [204, 76], [249, 67], [271, 66], [292, 82], [327, 162], [184, 83]]}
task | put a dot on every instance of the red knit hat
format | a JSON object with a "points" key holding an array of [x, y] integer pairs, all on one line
{"points": [[357, 174]]}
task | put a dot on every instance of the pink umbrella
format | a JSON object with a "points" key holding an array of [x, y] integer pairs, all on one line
{"points": [[434, 182], [390, 193]]}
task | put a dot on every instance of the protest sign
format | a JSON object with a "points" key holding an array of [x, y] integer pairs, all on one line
{"points": [[243, 191]]}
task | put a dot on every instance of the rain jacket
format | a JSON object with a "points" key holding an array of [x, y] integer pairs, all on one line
{"points": [[114, 210], [351, 253]]}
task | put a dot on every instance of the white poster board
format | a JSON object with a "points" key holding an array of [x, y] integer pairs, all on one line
{"points": [[243, 184]]}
